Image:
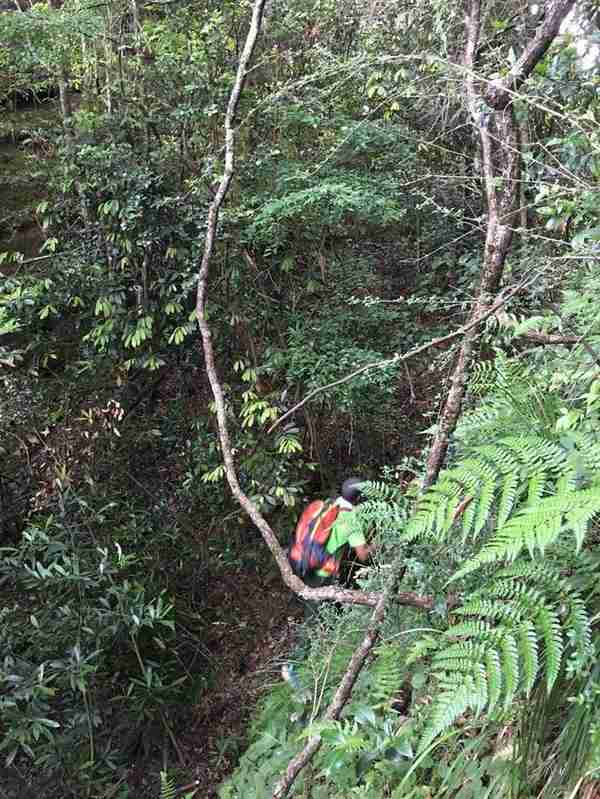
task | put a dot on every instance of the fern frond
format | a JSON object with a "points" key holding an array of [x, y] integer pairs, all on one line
{"points": [[421, 648], [378, 490], [462, 655], [167, 786], [589, 450], [386, 673], [480, 698], [487, 609], [513, 631], [536, 528], [468, 520], [535, 488], [450, 705], [549, 625], [580, 628], [508, 497], [528, 651], [486, 497], [509, 659], [493, 669]]}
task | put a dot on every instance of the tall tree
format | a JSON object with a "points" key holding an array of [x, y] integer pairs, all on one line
{"points": [[491, 108]]}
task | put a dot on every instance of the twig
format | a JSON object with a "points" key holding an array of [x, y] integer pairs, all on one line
{"points": [[580, 339], [413, 397], [42, 258]]}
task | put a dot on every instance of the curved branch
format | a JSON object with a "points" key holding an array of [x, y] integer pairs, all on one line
{"points": [[499, 93], [293, 582]]}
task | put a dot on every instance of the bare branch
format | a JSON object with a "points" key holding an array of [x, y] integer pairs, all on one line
{"points": [[499, 93], [342, 693], [549, 339], [580, 339]]}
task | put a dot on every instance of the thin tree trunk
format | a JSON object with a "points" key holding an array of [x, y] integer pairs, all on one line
{"points": [[524, 148], [493, 116], [64, 94], [342, 694]]}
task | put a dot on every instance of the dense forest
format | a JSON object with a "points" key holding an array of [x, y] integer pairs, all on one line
{"points": [[249, 250]]}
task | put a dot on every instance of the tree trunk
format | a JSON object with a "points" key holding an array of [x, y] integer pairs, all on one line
{"points": [[492, 114]]}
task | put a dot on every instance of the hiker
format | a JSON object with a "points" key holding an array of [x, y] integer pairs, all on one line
{"points": [[321, 536]]}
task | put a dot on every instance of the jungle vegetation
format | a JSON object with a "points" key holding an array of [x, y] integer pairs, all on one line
{"points": [[248, 249]]}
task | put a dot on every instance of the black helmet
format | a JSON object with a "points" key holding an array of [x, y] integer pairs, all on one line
{"points": [[351, 489]]}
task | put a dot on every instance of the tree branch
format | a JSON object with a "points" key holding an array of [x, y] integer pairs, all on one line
{"points": [[549, 339], [498, 95], [342, 693], [580, 339]]}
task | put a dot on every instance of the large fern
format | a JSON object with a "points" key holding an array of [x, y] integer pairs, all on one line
{"points": [[526, 489], [511, 633], [515, 400], [518, 504]]}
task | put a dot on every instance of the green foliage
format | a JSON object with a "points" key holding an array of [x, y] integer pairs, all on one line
{"points": [[529, 488], [83, 614], [326, 209], [514, 630], [349, 233], [167, 786], [516, 400], [386, 674]]}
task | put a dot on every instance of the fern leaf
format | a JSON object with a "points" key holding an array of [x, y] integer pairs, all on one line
{"points": [[536, 485], [507, 497], [549, 626], [480, 694], [536, 528], [509, 658], [421, 648], [528, 651], [386, 673], [486, 498], [450, 705], [494, 677], [579, 626], [167, 786], [468, 520], [463, 654], [567, 482]]}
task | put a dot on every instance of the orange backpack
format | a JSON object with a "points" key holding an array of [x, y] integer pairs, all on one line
{"points": [[307, 552]]}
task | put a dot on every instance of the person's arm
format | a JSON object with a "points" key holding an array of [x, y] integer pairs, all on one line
{"points": [[364, 551]]}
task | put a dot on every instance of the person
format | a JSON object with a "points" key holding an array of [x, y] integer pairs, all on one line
{"points": [[344, 533]]}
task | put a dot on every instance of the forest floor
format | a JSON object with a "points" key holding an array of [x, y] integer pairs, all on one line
{"points": [[245, 659]]}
